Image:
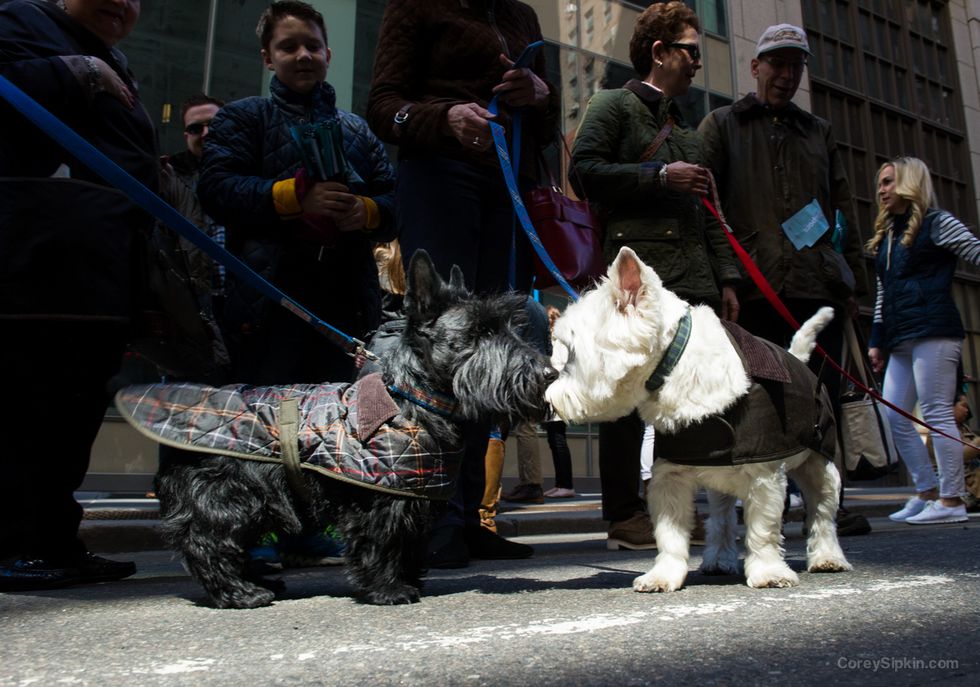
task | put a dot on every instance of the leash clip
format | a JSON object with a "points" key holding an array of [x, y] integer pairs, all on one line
{"points": [[358, 349]]}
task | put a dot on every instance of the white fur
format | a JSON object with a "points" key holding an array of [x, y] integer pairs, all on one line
{"points": [[607, 345]]}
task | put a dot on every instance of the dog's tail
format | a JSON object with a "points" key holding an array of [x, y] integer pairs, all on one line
{"points": [[804, 340]]}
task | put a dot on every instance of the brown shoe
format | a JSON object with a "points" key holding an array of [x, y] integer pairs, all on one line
{"points": [[525, 493], [635, 534]]}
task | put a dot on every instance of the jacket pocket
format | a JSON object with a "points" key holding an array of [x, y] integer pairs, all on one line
{"points": [[657, 244]]}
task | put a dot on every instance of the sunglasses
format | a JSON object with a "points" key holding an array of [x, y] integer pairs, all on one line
{"points": [[693, 51], [196, 128]]}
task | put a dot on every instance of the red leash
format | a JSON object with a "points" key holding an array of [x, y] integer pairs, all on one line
{"points": [[766, 288]]}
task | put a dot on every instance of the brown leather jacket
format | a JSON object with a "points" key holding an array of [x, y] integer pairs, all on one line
{"points": [[434, 54], [769, 165]]}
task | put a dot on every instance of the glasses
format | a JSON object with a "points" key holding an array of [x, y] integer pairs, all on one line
{"points": [[196, 128], [780, 63], [693, 51]]}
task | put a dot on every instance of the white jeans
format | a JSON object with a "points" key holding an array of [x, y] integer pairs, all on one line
{"points": [[646, 453], [925, 370]]}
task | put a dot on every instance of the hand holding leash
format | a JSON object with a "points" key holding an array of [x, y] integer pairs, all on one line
{"points": [[468, 123], [683, 177], [520, 87]]}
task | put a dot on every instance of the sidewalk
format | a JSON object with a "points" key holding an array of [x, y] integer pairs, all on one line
{"points": [[113, 525]]}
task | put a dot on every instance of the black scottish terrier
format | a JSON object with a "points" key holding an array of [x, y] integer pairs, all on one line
{"points": [[454, 346]]}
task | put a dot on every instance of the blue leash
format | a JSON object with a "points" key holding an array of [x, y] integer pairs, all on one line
{"points": [[95, 160], [509, 167]]}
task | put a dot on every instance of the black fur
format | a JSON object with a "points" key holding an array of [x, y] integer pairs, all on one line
{"points": [[214, 507]]}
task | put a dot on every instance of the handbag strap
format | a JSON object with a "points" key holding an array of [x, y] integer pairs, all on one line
{"points": [[853, 349], [571, 168], [659, 140]]}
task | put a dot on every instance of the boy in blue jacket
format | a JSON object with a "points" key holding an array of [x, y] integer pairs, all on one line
{"points": [[310, 237]]}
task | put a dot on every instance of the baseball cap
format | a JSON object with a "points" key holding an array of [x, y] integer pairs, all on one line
{"points": [[782, 36]]}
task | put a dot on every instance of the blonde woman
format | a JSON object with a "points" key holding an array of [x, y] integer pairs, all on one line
{"points": [[916, 323]]}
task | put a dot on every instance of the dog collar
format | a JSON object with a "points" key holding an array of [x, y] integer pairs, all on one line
{"points": [[674, 352], [440, 404]]}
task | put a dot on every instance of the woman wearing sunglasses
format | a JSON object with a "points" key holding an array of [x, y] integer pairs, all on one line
{"points": [[639, 162]]}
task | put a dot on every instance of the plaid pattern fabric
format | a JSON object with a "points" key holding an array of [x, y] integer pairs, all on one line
{"points": [[243, 421]]}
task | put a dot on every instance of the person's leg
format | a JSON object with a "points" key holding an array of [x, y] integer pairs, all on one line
{"points": [[66, 384], [619, 467], [528, 454], [899, 389], [560, 454], [934, 364], [448, 207]]}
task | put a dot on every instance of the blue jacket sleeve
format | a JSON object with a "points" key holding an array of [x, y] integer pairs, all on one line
{"points": [[231, 187]]}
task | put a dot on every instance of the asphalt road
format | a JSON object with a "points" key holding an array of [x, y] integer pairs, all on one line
{"points": [[907, 615]]}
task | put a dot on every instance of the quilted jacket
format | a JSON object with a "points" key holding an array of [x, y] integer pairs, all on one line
{"points": [[669, 231], [248, 149], [350, 432], [434, 54]]}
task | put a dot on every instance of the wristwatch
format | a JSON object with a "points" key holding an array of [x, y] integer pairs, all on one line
{"points": [[401, 117]]}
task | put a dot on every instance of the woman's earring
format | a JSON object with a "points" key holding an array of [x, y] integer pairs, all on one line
{"points": [[659, 63]]}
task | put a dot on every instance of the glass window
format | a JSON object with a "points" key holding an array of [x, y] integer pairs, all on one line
{"points": [[843, 22], [848, 67], [711, 13], [166, 53]]}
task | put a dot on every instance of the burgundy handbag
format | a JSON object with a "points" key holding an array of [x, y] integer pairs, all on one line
{"points": [[570, 232]]}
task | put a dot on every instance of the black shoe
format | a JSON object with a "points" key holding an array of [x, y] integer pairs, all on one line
{"points": [[447, 549], [98, 569], [525, 493], [851, 524], [33, 574], [491, 546]]}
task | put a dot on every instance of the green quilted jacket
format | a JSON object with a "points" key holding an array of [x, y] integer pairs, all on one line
{"points": [[671, 232]]}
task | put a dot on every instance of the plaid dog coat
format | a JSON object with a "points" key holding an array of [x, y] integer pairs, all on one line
{"points": [[351, 432]]}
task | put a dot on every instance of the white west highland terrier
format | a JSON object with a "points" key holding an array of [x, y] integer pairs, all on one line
{"points": [[732, 413]]}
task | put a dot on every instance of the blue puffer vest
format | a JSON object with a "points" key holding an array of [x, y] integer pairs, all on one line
{"points": [[918, 300]]}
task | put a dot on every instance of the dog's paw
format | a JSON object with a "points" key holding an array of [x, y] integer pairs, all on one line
{"points": [[251, 598], [829, 565], [657, 581], [773, 579], [391, 596]]}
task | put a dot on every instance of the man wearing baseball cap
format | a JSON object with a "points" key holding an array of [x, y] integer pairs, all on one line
{"points": [[784, 190]]}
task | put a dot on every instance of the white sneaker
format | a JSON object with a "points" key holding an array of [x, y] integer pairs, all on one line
{"points": [[936, 513], [912, 507]]}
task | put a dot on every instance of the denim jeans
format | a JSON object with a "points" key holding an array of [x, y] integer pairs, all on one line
{"points": [[926, 370]]}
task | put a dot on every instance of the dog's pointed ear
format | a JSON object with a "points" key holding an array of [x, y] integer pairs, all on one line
{"points": [[456, 281], [425, 286], [626, 275]]}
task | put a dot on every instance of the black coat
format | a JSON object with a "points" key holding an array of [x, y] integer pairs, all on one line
{"points": [[66, 243]]}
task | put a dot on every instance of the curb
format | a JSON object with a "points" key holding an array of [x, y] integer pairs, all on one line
{"points": [[116, 525]]}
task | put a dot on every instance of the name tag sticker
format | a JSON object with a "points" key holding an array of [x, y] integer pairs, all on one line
{"points": [[806, 226]]}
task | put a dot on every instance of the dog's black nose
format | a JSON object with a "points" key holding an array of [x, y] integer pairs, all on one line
{"points": [[550, 374]]}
